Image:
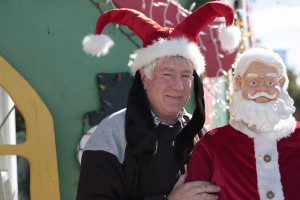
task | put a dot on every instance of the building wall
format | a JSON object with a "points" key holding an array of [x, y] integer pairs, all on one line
{"points": [[42, 41]]}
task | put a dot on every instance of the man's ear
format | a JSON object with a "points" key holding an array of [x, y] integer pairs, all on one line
{"points": [[143, 78], [238, 82], [282, 81]]}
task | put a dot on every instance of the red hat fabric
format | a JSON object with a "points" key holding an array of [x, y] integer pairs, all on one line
{"points": [[161, 41]]}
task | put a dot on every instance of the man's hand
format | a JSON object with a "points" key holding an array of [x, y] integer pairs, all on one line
{"points": [[200, 190]]}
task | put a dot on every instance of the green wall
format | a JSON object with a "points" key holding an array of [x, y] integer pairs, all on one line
{"points": [[42, 40]]}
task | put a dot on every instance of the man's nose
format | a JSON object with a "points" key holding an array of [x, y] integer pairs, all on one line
{"points": [[178, 84]]}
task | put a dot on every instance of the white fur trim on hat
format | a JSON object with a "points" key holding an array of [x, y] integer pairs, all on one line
{"points": [[97, 45], [167, 47]]}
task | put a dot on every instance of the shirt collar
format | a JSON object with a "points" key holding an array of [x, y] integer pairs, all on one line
{"points": [[158, 121]]}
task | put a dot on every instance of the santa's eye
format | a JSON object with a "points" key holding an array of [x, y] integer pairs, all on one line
{"points": [[253, 83], [270, 83]]}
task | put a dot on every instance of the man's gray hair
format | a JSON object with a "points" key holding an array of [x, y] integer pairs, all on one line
{"points": [[148, 69]]}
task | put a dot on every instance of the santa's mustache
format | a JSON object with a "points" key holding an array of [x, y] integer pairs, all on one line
{"points": [[262, 94]]}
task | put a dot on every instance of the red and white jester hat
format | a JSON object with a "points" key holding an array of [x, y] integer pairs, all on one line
{"points": [[161, 41]]}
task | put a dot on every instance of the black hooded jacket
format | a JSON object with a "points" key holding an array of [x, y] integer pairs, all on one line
{"points": [[110, 171]]}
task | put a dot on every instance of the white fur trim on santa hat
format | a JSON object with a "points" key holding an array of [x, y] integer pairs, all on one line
{"points": [[229, 37], [97, 45], [167, 47]]}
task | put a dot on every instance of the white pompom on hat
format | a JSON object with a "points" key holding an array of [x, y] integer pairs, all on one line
{"points": [[178, 41], [97, 45]]}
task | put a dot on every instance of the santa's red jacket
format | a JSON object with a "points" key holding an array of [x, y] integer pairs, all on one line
{"points": [[248, 165]]}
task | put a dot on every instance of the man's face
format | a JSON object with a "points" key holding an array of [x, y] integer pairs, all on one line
{"points": [[260, 83], [169, 88]]}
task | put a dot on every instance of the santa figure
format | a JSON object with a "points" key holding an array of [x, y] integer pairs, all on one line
{"points": [[257, 155]]}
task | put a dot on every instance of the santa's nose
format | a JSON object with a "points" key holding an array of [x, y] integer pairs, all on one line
{"points": [[261, 88]]}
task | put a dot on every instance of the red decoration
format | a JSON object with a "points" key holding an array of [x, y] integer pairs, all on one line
{"points": [[168, 13]]}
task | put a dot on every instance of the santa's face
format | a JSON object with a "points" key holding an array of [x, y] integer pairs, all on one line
{"points": [[260, 83], [260, 100]]}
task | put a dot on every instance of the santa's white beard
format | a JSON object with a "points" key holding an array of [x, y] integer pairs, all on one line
{"points": [[264, 116]]}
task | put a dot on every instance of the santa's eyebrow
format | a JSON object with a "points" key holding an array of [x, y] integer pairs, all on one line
{"points": [[272, 75], [251, 75]]}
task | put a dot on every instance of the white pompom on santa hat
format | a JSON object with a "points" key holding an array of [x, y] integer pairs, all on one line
{"points": [[161, 41]]}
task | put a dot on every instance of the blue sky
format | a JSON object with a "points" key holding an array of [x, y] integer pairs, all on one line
{"points": [[276, 24]]}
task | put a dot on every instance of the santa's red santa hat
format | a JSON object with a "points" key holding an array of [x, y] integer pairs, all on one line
{"points": [[161, 41]]}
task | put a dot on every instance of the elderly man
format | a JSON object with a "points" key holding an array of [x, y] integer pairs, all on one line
{"points": [[139, 152], [256, 156]]}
